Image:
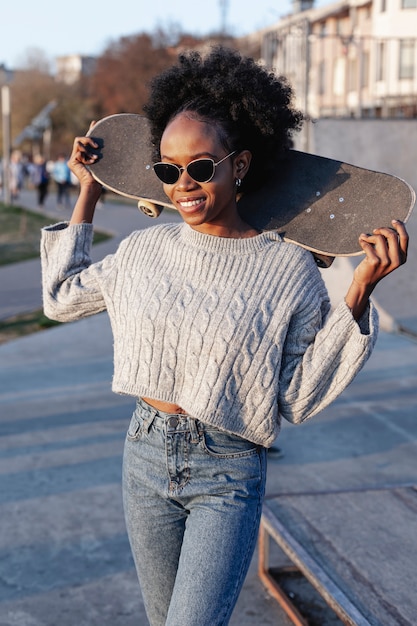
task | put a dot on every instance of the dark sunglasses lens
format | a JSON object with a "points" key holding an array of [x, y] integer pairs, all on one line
{"points": [[201, 170], [167, 172]]}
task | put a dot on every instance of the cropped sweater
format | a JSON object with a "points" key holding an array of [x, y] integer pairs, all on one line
{"points": [[238, 332]]}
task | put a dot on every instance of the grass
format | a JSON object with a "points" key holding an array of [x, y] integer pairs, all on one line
{"points": [[19, 241], [20, 234], [24, 324]]}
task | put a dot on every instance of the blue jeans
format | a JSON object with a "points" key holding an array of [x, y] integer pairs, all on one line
{"points": [[193, 498]]}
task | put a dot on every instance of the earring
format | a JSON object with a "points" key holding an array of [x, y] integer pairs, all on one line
{"points": [[238, 182]]}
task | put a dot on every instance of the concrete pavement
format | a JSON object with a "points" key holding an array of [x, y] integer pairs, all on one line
{"points": [[64, 556]]}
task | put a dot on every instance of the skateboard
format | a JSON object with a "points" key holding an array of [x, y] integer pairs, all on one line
{"points": [[318, 203]]}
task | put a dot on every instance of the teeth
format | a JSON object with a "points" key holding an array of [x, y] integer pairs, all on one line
{"points": [[190, 203]]}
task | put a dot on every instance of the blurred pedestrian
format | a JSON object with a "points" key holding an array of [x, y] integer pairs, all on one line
{"points": [[61, 174], [16, 174], [39, 178]]}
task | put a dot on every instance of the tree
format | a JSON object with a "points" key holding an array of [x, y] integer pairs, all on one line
{"points": [[120, 83], [30, 91]]}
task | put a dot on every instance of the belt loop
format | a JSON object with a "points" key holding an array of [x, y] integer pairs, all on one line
{"points": [[195, 438], [152, 413], [147, 422]]}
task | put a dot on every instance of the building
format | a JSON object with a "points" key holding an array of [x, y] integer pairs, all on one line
{"points": [[71, 68], [352, 58]]}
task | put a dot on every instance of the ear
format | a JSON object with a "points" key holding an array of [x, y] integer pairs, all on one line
{"points": [[242, 163]]}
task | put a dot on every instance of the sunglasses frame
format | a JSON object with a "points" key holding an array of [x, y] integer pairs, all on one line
{"points": [[180, 170]]}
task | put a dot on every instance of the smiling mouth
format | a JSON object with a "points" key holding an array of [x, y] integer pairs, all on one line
{"points": [[190, 204]]}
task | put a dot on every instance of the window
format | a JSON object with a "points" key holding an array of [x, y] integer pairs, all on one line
{"points": [[407, 56], [339, 74], [365, 69], [380, 60], [352, 77], [339, 26], [322, 77]]}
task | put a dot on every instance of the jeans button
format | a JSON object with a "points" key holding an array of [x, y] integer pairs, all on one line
{"points": [[173, 422]]}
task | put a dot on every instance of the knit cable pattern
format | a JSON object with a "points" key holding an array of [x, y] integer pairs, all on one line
{"points": [[235, 331]]}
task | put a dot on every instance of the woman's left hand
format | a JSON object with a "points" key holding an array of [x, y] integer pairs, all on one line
{"points": [[385, 250]]}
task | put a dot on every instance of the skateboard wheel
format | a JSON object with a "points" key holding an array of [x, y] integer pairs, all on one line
{"points": [[149, 208]]}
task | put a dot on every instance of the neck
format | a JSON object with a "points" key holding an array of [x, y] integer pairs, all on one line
{"points": [[236, 230]]}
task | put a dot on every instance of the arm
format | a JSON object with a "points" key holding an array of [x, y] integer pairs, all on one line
{"points": [[70, 289], [90, 189], [322, 355], [385, 250]]}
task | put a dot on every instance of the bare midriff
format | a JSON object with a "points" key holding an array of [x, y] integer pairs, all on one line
{"points": [[165, 407]]}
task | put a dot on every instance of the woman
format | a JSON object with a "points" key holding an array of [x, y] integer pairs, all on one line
{"points": [[213, 348]]}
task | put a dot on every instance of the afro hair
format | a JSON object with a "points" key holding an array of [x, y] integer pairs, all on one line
{"points": [[250, 106]]}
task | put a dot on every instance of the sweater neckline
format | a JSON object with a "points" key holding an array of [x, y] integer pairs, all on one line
{"points": [[230, 245]]}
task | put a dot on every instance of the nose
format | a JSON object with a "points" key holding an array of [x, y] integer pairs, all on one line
{"points": [[185, 181]]}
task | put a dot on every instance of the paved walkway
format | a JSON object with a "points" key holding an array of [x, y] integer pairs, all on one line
{"points": [[64, 556]]}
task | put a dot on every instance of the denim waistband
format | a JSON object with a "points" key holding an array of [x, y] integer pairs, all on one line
{"points": [[170, 422]]}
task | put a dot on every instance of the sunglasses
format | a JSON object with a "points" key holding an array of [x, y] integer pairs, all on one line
{"points": [[200, 170]]}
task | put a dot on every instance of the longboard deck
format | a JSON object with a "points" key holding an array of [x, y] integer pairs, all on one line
{"points": [[325, 205], [318, 203]]}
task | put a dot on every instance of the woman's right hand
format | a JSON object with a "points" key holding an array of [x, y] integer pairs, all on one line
{"points": [[90, 189], [81, 157]]}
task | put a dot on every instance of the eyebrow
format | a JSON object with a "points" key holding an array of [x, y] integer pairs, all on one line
{"points": [[200, 155]]}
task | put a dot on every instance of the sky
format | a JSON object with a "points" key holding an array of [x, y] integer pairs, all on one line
{"points": [[87, 27]]}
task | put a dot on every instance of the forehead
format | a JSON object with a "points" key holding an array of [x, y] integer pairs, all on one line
{"points": [[187, 136]]}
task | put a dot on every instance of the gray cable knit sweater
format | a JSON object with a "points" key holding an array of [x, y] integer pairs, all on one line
{"points": [[238, 332]]}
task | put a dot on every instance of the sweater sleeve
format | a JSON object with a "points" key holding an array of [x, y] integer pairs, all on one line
{"points": [[322, 355], [70, 283]]}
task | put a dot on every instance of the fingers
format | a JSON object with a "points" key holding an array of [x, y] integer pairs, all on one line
{"points": [[386, 250], [403, 237], [84, 150], [377, 255], [391, 244]]}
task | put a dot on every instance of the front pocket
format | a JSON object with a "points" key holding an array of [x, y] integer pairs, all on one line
{"points": [[225, 445]]}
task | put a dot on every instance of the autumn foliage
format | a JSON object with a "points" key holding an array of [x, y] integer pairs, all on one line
{"points": [[119, 84]]}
